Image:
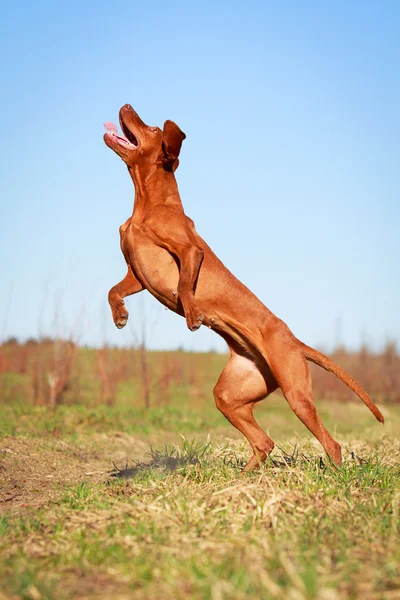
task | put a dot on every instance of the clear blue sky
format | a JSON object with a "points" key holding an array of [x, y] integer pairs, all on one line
{"points": [[290, 168]]}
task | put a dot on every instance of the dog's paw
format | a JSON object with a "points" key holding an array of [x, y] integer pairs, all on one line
{"points": [[121, 321], [120, 316], [194, 320]]}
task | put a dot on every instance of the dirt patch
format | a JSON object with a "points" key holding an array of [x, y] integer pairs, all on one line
{"points": [[35, 471]]}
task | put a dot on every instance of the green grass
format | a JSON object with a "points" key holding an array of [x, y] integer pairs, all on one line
{"points": [[274, 415], [71, 420], [187, 523]]}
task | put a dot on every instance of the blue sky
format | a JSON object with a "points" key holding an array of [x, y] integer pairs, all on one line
{"points": [[290, 168]]}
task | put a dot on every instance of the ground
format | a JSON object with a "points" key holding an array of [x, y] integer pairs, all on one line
{"points": [[126, 503]]}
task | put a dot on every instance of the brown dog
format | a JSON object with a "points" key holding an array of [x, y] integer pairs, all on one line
{"points": [[166, 256]]}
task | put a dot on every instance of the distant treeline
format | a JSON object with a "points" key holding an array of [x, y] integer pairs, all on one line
{"points": [[53, 371]]}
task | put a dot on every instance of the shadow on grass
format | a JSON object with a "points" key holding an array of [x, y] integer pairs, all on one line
{"points": [[170, 459]]}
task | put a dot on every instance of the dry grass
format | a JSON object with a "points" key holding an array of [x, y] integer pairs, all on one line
{"points": [[182, 521]]}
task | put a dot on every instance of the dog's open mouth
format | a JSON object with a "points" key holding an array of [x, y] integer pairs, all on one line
{"points": [[128, 139]]}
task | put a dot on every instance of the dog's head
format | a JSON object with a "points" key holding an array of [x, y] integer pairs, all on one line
{"points": [[141, 144]]}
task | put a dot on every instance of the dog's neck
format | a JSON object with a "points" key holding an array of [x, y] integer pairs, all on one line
{"points": [[153, 186]]}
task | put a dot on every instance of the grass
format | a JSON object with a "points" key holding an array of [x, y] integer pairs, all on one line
{"points": [[115, 503], [69, 421]]}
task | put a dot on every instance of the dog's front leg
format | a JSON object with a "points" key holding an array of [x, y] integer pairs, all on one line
{"points": [[128, 286], [173, 231], [190, 258]]}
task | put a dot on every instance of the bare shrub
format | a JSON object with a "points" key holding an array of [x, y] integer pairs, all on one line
{"points": [[52, 365]]}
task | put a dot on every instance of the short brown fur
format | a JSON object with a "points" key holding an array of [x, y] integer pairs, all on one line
{"points": [[166, 256]]}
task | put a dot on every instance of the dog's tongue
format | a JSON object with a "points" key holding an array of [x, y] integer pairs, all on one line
{"points": [[111, 127]]}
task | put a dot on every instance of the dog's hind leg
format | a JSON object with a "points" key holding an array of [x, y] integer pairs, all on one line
{"points": [[290, 369], [240, 386]]}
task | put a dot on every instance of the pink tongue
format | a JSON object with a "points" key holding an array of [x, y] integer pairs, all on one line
{"points": [[111, 127]]}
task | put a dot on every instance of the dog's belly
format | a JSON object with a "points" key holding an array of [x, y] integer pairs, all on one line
{"points": [[157, 270]]}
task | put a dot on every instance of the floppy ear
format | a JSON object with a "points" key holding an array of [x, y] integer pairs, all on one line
{"points": [[171, 144]]}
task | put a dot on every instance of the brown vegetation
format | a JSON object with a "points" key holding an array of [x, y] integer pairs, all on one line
{"points": [[53, 371]]}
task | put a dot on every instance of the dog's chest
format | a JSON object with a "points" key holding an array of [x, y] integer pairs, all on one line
{"points": [[154, 266]]}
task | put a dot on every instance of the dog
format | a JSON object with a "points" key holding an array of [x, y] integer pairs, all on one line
{"points": [[166, 256]]}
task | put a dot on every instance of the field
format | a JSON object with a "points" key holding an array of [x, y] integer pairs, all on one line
{"points": [[123, 502]]}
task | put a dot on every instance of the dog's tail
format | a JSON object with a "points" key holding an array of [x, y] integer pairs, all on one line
{"points": [[329, 365]]}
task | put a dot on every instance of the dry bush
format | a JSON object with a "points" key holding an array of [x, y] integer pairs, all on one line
{"points": [[113, 366], [51, 372]]}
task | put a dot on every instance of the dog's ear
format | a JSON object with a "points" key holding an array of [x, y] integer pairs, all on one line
{"points": [[171, 145]]}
